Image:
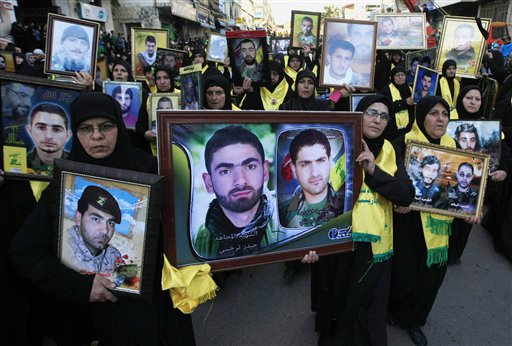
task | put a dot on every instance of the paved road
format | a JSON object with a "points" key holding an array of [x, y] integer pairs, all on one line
{"points": [[257, 307]]}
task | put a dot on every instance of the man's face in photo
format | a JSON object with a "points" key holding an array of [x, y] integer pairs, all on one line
{"points": [[306, 26], [125, 100], [312, 168], [75, 47], [339, 62], [170, 60], [426, 82], [150, 48], [96, 228], [48, 132], [2, 62], [387, 27], [237, 177], [248, 52], [464, 177], [430, 173], [18, 97], [274, 77], [467, 141], [164, 105], [462, 39], [363, 36]]}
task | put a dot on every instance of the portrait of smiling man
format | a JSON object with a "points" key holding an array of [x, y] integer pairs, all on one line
{"points": [[239, 221]]}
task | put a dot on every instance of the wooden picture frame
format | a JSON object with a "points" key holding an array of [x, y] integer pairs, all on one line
{"points": [[129, 96], [182, 161], [341, 37], [248, 55], [401, 31], [71, 46], [24, 150], [145, 42], [217, 49], [425, 83], [435, 169], [129, 204], [305, 29]]}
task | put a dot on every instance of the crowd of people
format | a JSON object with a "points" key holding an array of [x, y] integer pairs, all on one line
{"points": [[400, 255]]}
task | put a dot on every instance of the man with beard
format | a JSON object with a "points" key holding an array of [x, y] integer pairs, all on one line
{"points": [[250, 67], [49, 130], [461, 197], [427, 192], [463, 52], [125, 98], [240, 220], [314, 201], [466, 135], [72, 54], [16, 103], [426, 83]]}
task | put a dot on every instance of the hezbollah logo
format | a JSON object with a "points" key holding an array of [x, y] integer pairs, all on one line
{"points": [[101, 200]]}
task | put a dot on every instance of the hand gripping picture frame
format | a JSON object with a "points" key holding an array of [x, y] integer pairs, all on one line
{"points": [[232, 184]]}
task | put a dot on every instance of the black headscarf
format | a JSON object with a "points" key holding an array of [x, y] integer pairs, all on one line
{"points": [[461, 110], [296, 56], [275, 66], [100, 105], [126, 65], [169, 72], [449, 63], [219, 81], [404, 89], [422, 109], [311, 104], [375, 144]]}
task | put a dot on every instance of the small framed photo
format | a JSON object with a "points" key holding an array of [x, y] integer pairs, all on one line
{"points": [[7, 63], [248, 55], [217, 48], [348, 53], [479, 136], [36, 124], [144, 48], [462, 41], [129, 96], [425, 83], [305, 29], [101, 70], [401, 31], [268, 218], [279, 45], [191, 91], [420, 54], [446, 179], [161, 102], [71, 45], [171, 58], [355, 98], [109, 224]]}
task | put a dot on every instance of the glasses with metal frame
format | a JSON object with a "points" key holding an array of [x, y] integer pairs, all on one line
{"points": [[104, 128], [373, 113]]}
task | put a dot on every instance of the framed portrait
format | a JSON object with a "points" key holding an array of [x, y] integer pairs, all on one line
{"points": [[355, 98], [248, 55], [213, 218], [7, 61], [420, 54], [191, 91], [279, 45], [101, 70], [160, 102], [305, 29], [145, 43], [445, 179], [463, 42], [425, 83], [480, 136], [36, 124], [348, 53], [401, 31], [129, 96], [71, 45], [217, 49], [108, 223]]}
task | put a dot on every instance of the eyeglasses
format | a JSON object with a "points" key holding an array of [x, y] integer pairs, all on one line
{"points": [[20, 94], [103, 128], [373, 113]]}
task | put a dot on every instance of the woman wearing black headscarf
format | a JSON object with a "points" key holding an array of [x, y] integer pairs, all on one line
{"points": [[121, 72], [117, 320], [449, 87], [305, 100], [356, 314], [216, 92], [293, 66], [403, 105]]}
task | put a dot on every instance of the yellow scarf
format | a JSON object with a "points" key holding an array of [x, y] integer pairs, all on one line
{"points": [[402, 117], [38, 188], [272, 100], [292, 74], [436, 228], [447, 96], [372, 217]]}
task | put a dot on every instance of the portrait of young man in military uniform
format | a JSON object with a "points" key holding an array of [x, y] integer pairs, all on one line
{"points": [[461, 196]]}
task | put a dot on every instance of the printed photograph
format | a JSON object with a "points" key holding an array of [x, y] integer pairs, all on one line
{"points": [[129, 96], [425, 83], [190, 77], [161, 102], [279, 46], [401, 31], [144, 48], [305, 29], [217, 48], [248, 55]]}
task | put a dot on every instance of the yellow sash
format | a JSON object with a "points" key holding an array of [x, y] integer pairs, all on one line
{"points": [[272, 100], [38, 188], [402, 117], [372, 217], [292, 74], [447, 96], [436, 228]]}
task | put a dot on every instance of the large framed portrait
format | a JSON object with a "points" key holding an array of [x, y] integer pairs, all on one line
{"points": [[348, 53], [129, 96], [7, 61], [463, 42], [243, 192], [191, 91], [279, 45], [217, 48], [109, 223], [401, 31], [36, 124], [420, 54], [425, 83], [446, 179], [161, 102], [144, 48], [305, 29], [479, 136], [248, 55], [71, 45], [355, 98]]}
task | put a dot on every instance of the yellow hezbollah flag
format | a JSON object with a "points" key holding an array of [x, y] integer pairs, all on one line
{"points": [[339, 173]]}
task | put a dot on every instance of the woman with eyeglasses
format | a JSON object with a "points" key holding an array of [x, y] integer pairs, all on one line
{"points": [[76, 307], [355, 310]]}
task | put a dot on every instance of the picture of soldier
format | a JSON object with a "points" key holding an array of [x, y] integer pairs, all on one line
{"points": [[387, 31], [190, 91], [462, 50], [73, 51], [16, 103], [170, 59], [162, 103], [305, 37], [314, 200], [462, 196], [427, 190], [425, 83], [466, 135], [129, 102], [249, 67], [145, 49]]}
